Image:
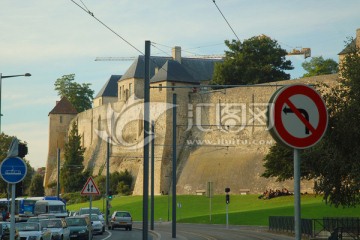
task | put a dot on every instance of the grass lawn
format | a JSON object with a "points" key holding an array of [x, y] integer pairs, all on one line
{"points": [[243, 209]]}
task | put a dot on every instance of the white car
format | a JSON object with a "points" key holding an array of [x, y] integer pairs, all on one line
{"points": [[96, 224], [94, 210], [58, 228], [32, 231]]}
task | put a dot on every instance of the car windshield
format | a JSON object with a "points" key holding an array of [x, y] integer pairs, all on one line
{"points": [[76, 221], [5, 225], [122, 214], [87, 211], [57, 209], [51, 223], [27, 226]]}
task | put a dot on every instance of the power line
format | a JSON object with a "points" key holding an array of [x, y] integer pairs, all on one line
{"points": [[226, 20], [92, 14]]}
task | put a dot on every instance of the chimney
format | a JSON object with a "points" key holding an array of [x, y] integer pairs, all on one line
{"points": [[358, 38], [176, 54]]}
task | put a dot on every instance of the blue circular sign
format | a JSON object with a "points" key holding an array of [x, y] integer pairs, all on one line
{"points": [[13, 169]]}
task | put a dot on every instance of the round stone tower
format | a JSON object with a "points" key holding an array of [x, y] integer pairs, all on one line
{"points": [[59, 120]]}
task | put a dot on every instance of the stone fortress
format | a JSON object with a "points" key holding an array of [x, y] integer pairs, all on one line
{"points": [[221, 134]]}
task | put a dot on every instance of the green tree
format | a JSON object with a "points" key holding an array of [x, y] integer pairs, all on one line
{"points": [[319, 66], [23, 186], [72, 176], [79, 95], [256, 60], [333, 163], [36, 188]]}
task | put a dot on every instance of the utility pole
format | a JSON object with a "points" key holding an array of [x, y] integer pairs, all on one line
{"points": [[152, 212], [107, 181], [174, 169], [58, 175], [146, 144]]}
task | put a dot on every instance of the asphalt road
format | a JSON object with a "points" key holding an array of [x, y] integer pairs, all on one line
{"points": [[216, 232], [163, 231]]}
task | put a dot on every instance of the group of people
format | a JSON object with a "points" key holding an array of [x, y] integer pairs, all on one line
{"points": [[4, 214], [268, 194]]}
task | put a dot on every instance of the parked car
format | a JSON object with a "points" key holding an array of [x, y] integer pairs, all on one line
{"points": [[80, 227], [121, 219], [96, 223], [5, 231], [94, 210], [32, 231], [58, 228]]}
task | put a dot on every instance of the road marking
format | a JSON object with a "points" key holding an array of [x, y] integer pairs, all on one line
{"points": [[107, 236]]}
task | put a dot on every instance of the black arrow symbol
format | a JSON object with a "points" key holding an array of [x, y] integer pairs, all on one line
{"points": [[92, 188], [88, 188], [302, 111]]}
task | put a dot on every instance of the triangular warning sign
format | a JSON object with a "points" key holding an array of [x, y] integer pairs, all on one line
{"points": [[90, 188]]}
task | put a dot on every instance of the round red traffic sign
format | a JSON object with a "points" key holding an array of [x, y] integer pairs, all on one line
{"points": [[297, 116]]}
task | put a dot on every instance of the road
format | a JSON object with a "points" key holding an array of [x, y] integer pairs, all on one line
{"points": [[163, 231]]}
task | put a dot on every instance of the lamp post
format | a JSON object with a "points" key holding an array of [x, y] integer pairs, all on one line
{"points": [[9, 76], [12, 229]]}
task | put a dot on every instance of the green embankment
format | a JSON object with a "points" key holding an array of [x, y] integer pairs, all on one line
{"points": [[243, 209]]}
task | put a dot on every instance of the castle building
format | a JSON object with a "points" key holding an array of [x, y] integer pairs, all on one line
{"points": [[221, 134]]}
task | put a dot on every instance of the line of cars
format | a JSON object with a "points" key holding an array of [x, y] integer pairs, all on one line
{"points": [[76, 226], [51, 228]]}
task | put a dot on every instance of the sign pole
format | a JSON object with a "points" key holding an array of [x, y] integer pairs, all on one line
{"points": [[12, 217], [297, 194], [227, 216], [90, 214]]}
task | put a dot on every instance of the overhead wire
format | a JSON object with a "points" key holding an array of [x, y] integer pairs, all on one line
{"points": [[226, 20], [92, 14]]}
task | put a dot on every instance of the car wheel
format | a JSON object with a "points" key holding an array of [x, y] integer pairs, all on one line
{"points": [[130, 228], [110, 227]]}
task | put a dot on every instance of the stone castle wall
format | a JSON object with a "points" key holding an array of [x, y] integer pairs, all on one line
{"points": [[221, 137]]}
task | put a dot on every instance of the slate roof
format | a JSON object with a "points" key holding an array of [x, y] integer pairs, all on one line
{"points": [[349, 48], [198, 69], [110, 87], [63, 107], [173, 71]]}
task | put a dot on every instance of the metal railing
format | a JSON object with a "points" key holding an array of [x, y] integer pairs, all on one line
{"points": [[335, 228]]}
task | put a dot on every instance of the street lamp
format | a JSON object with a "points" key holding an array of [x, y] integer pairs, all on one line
{"points": [[12, 229], [9, 76]]}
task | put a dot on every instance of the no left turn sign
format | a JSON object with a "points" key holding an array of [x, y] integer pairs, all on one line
{"points": [[297, 116]]}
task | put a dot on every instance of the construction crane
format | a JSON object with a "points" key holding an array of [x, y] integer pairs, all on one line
{"points": [[115, 58], [303, 51]]}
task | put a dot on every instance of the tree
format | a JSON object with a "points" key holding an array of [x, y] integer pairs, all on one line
{"points": [[79, 95], [318, 66], [256, 60], [36, 186], [333, 163], [72, 175], [21, 187]]}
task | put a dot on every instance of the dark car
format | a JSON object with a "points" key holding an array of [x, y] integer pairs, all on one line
{"points": [[80, 227], [5, 231], [121, 219]]}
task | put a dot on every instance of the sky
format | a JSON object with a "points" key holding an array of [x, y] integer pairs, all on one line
{"points": [[50, 39]]}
